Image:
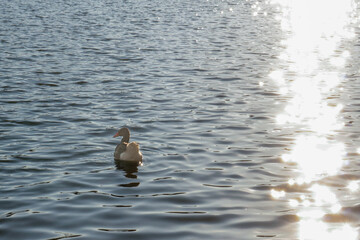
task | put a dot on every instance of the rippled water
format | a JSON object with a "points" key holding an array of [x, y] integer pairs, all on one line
{"points": [[247, 130]]}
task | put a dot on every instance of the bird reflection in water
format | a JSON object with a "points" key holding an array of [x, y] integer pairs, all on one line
{"points": [[313, 64], [129, 167]]}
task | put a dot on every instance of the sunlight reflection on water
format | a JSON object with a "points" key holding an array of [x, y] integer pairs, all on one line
{"points": [[312, 70], [316, 156]]}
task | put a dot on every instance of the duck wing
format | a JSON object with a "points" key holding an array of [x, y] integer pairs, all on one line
{"points": [[120, 148]]}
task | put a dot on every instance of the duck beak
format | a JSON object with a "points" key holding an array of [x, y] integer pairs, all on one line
{"points": [[116, 135]]}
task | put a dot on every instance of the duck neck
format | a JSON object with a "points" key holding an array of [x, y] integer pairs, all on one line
{"points": [[126, 136]]}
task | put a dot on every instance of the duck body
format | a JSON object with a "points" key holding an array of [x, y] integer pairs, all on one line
{"points": [[127, 151], [132, 153]]}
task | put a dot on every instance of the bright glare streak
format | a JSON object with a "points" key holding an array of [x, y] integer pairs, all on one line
{"points": [[293, 202], [316, 157], [353, 186], [311, 214], [316, 230], [323, 195], [310, 19], [336, 208], [314, 30], [277, 194], [313, 67], [291, 181], [308, 106]]}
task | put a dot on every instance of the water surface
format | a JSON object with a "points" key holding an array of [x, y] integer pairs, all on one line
{"points": [[246, 113]]}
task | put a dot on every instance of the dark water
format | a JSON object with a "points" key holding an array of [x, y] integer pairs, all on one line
{"points": [[184, 77]]}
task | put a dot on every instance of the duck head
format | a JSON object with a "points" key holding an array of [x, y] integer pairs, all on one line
{"points": [[122, 132]]}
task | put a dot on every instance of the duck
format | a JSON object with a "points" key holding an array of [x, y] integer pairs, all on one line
{"points": [[127, 151]]}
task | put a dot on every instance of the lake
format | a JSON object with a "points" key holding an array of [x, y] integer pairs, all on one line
{"points": [[246, 112]]}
